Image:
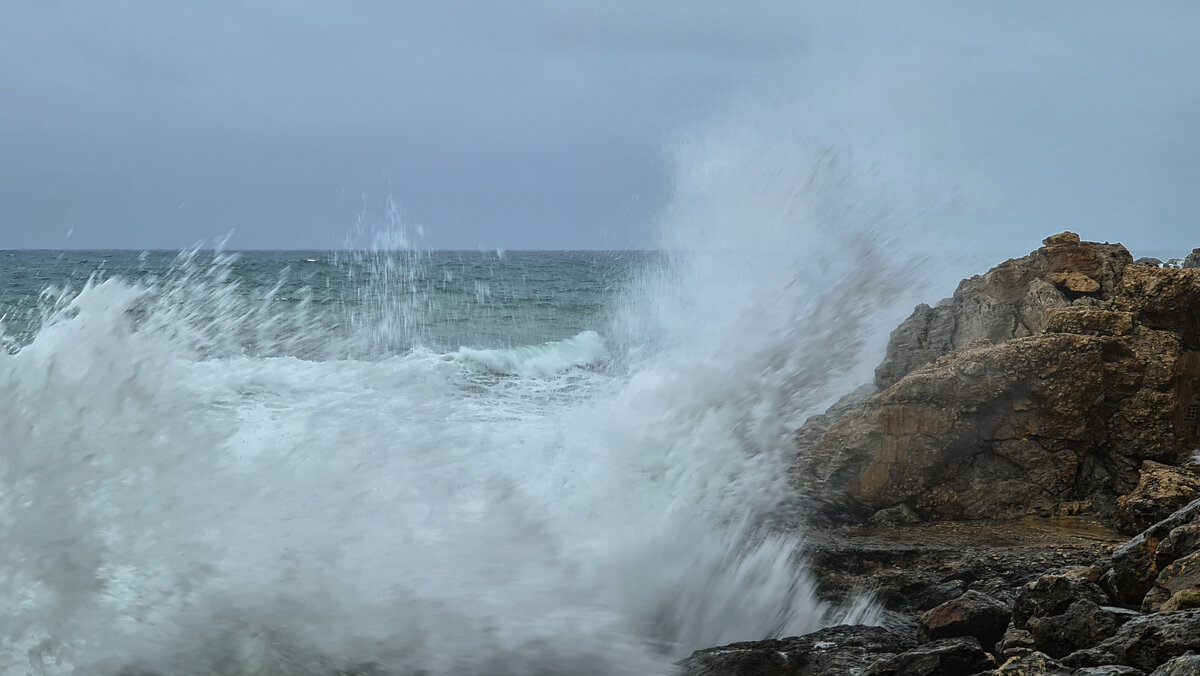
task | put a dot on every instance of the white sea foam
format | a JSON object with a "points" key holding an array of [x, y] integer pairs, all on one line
{"points": [[173, 498], [542, 361]]}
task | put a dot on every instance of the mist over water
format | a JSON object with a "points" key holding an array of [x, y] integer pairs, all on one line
{"points": [[554, 463]]}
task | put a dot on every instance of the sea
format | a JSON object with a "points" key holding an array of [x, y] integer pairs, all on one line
{"points": [[396, 461]]}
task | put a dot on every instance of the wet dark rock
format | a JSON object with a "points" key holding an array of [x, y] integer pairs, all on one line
{"points": [[834, 651], [959, 656], [1054, 594], [1136, 564], [1083, 625], [1180, 577], [1148, 261], [1109, 670], [917, 568], [1184, 665], [1148, 641], [972, 614], [1179, 542], [892, 517], [1033, 664], [1088, 658], [1015, 643]]}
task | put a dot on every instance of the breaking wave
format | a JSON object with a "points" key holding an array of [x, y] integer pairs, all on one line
{"points": [[198, 480]]}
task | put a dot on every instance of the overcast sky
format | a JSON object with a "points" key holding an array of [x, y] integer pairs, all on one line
{"points": [[549, 124]]}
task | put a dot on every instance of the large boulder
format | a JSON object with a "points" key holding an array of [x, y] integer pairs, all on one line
{"points": [[1176, 587], [1024, 395], [1149, 641], [1161, 490], [1137, 563], [1082, 625], [972, 614], [1055, 594]]}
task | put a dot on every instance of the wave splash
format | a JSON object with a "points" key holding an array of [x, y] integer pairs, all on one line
{"points": [[538, 361], [594, 506]]}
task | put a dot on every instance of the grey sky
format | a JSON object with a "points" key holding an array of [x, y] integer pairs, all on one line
{"points": [[541, 124]]}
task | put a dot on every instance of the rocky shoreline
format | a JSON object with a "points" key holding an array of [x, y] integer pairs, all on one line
{"points": [[986, 485]]}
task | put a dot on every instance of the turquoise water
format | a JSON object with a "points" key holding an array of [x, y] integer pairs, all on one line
{"points": [[439, 300]]}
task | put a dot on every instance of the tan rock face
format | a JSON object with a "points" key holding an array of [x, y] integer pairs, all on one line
{"points": [[1009, 301], [1013, 397], [1161, 490], [1088, 321], [1075, 282], [956, 445], [1164, 298], [1067, 237]]}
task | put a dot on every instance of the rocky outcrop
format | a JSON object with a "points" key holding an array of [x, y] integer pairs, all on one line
{"points": [[1009, 301], [1028, 392], [1192, 260], [1110, 614], [914, 569], [834, 651]]}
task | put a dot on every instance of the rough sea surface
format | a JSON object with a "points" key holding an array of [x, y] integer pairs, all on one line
{"points": [[427, 462]]}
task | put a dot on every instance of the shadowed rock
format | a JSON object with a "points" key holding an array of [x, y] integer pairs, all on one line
{"points": [[1184, 665], [828, 652], [1110, 670], [961, 655], [1137, 563], [972, 614], [1149, 641]]}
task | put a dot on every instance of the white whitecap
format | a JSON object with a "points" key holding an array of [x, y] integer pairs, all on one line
{"points": [[538, 361]]}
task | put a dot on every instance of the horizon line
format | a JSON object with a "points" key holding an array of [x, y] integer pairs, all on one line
{"points": [[501, 250]]}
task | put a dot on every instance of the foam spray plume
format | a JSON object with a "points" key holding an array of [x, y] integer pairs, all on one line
{"points": [[598, 504]]}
